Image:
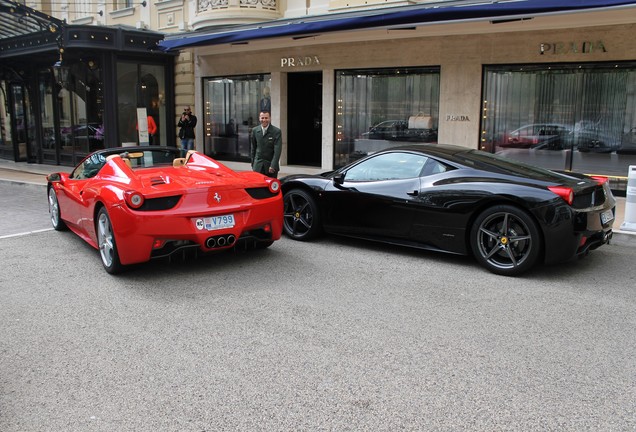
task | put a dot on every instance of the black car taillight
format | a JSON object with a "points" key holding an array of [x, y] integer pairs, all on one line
{"points": [[564, 192]]}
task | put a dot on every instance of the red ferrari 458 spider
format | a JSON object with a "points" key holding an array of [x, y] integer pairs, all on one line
{"points": [[139, 203]]}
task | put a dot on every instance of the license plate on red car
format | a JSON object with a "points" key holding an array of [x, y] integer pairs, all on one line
{"points": [[218, 222], [607, 216]]}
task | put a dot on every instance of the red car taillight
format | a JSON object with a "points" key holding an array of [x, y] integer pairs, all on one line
{"points": [[134, 199], [564, 192], [274, 186]]}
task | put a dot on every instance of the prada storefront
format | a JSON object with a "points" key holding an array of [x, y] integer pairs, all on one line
{"points": [[67, 90], [549, 83]]}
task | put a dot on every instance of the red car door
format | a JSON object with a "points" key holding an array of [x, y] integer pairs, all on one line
{"points": [[70, 200]]}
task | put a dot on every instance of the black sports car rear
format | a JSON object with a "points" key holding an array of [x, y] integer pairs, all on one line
{"points": [[507, 214]]}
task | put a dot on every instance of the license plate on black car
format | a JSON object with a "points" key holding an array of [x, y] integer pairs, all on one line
{"points": [[607, 216]]}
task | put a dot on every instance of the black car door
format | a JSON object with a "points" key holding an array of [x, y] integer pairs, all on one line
{"points": [[375, 198], [444, 206]]}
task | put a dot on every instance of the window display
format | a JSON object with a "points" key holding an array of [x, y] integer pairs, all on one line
{"points": [[381, 108], [232, 106], [579, 117]]}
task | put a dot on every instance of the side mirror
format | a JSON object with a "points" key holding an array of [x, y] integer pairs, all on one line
{"points": [[339, 178], [57, 177]]}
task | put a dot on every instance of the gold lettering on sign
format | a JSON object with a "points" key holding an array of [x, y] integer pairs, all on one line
{"points": [[290, 62], [563, 48]]}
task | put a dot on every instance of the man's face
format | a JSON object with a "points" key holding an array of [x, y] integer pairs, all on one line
{"points": [[264, 119]]}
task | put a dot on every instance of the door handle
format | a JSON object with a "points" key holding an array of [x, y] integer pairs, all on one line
{"points": [[413, 193]]}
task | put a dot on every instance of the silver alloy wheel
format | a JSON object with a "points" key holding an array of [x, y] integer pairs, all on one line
{"points": [[105, 240], [505, 241], [54, 208]]}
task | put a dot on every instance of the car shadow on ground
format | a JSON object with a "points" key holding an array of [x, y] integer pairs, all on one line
{"points": [[568, 269], [231, 263]]}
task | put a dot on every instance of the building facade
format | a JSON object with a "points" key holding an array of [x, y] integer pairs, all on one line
{"points": [[69, 89], [551, 85], [549, 82]]}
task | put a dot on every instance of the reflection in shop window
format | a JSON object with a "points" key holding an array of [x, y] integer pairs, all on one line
{"points": [[47, 101], [232, 105], [381, 108], [6, 141], [80, 112], [573, 117], [141, 86]]}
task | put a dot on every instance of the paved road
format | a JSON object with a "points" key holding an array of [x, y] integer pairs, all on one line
{"points": [[23, 208], [331, 335]]}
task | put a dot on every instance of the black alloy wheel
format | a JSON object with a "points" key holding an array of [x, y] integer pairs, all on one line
{"points": [[505, 240], [301, 215]]}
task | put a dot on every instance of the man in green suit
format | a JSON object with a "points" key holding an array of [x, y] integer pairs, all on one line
{"points": [[266, 145]]}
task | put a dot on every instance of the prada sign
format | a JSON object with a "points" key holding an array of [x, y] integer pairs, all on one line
{"points": [[586, 47], [455, 117], [291, 62]]}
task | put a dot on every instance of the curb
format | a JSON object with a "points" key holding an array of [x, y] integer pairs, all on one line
{"points": [[623, 238], [23, 183]]}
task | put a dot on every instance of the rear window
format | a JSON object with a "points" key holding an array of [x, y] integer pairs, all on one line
{"points": [[491, 162]]}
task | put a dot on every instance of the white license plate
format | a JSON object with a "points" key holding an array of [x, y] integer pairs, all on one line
{"points": [[218, 222], [607, 216]]}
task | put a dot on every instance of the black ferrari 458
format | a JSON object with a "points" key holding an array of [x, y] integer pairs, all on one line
{"points": [[507, 214]]}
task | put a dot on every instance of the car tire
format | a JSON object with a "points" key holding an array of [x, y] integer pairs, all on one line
{"points": [[106, 243], [54, 210], [505, 240], [301, 215]]}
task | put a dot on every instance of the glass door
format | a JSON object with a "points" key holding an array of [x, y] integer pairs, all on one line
{"points": [[6, 137], [19, 123]]}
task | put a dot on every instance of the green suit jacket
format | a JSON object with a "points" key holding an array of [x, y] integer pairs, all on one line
{"points": [[265, 149]]}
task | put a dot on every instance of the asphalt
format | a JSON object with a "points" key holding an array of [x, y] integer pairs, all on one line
{"points": [[35, 174]]}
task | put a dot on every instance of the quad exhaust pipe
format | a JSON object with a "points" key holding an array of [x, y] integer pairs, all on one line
{"points": [[220, 241]]}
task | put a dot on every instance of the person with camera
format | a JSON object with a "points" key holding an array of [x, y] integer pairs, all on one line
{"points": [[187, 123]]}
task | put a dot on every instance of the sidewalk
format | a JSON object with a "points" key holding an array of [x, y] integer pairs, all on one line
{"points": [[22, 172]]}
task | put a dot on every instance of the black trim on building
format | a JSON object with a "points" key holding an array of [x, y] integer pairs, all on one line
{"points": [[38, 43]]}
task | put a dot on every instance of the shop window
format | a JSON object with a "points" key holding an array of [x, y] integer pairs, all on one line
{"points": [[232, 106], [141, 86], [22, 125], [573, 117], [48, 96], [123, 4], [381, 108], [6, 140], [81, 9], [79, 112]]}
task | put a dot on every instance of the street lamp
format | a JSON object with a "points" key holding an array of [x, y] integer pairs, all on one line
{"points": [[61, 71]]}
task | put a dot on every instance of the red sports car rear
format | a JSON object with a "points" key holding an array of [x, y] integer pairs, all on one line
{"points": [[135, 204]]}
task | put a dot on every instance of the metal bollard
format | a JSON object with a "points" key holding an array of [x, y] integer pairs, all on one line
{"points": [[629, 223]]}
